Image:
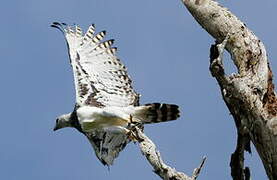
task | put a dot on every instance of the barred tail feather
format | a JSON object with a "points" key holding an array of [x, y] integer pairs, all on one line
{"points": [[157, 112]]}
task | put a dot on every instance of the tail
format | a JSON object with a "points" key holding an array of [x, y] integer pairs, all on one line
{"points": [[156, 112]]}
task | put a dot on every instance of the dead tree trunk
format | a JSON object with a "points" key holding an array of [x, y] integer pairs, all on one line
{"points": [[249, 94]]}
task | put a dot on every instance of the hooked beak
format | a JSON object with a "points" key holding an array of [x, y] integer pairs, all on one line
{"points": [[55, 128], [56, 125]]}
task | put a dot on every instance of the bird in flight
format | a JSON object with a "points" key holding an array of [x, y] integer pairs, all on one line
{"points": [[106, 103]]}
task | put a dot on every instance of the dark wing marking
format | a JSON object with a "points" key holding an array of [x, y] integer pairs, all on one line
{"points": [[107, 145]]}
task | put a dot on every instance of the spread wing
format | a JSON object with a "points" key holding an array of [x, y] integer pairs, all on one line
{"points": [[100, 78]]}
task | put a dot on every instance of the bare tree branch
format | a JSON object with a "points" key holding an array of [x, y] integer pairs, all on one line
{"points": [[217, 70], [148, 149], [249, 94], [197, 170]]}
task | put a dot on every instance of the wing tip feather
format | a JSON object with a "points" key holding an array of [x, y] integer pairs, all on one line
{"points": [[59, 25]]}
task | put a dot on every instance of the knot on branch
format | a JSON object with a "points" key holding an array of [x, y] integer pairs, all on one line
{"points": [[216, 58], [216, 66]]}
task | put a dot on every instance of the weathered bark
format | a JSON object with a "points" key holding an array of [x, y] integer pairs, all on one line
{"points": [[249, 94], [153, 156]]}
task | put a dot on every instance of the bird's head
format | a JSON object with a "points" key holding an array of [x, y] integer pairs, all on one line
{"points": [[62, 121]]}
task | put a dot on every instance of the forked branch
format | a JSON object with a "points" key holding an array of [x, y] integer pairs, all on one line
{"points": [[149, 150]]}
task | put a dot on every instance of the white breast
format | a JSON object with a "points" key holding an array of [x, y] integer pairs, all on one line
{"points": [[92, 118], [87, 112]]}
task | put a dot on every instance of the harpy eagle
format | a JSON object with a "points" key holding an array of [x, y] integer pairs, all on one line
{"points": [[106, 103]]}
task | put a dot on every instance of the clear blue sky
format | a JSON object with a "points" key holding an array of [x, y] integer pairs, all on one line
{"points": [[166, 53]]}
